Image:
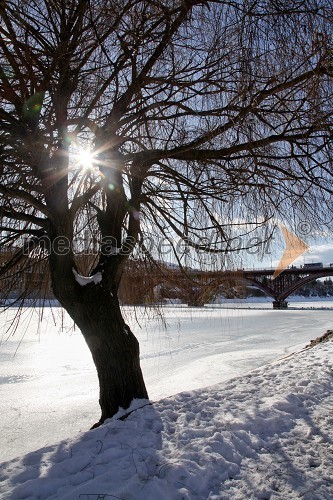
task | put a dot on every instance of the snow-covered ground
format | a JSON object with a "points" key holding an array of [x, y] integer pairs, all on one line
{"points": [[265, 434]]}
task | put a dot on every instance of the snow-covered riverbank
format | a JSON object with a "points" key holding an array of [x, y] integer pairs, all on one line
{"points": [[267, 434], [48, 383]]}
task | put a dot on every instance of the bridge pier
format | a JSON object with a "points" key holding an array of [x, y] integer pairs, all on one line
{"points": [[280, 304]]}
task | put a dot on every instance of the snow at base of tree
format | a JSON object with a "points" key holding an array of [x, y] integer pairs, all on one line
{"points": [[83, 281], [264, 435]]}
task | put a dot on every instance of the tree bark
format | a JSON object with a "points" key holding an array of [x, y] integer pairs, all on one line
{"points": [[114, 348], [115, 351]]}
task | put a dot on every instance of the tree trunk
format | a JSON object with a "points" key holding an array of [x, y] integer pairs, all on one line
{"points": [[115, 351], [114, 348]]}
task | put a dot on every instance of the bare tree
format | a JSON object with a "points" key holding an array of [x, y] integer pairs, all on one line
{"points": [[196, 118]]}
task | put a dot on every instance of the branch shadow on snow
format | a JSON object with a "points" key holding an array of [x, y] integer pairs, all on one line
{"points": [[291, 452], [293, 464], [265, 434], [108, 462]]}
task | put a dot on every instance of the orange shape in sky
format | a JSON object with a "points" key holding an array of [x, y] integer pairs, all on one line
{"points": [[295, 247]]}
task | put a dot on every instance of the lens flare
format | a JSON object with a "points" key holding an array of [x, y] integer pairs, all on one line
{"points": [[86, 159]]}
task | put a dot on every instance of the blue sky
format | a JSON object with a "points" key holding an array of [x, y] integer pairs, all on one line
{"points": [[319, 251]]}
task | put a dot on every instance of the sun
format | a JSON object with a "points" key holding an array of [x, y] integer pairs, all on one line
{"points": [[86, 159]]}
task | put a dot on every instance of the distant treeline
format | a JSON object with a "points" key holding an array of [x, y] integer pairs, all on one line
{"points": [[318, 288]]}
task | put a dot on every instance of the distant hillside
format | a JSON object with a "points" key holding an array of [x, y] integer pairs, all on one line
{"points": [[318, 288]]}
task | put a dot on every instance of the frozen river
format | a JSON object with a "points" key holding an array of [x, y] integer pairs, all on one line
{"points": [[48, 384]]}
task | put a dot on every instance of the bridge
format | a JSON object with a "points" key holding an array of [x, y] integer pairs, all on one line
{"points": [[197, 287], [288, 282]]}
